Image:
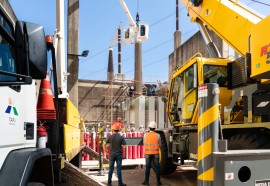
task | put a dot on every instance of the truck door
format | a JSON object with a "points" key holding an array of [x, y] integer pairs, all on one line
{"points": [[184, 95], [18, 102]]}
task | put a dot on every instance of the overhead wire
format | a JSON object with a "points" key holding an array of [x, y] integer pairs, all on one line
{"points": [[152, 48], [261, 2], [158, 45], [148, 50], [126, 59]]}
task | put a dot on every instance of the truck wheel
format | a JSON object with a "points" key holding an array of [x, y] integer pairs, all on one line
{"points": [[166, 164], [249, 141]]}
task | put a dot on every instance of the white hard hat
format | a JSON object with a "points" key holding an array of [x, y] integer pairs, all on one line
{"points": [[153, 124]]}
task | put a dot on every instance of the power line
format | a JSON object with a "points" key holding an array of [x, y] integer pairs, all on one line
{"points": [[165, 17], [162, 19], [261, 2], [95, 72], [158, 45]]}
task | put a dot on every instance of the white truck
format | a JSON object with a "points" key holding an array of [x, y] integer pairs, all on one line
{"points": [[23, 62]]}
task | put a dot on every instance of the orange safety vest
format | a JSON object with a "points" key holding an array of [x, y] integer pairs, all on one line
{"points": [[151, 143]]}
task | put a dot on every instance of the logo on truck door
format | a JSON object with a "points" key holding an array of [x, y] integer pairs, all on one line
{"points": [[12, 111], [265, 51]]}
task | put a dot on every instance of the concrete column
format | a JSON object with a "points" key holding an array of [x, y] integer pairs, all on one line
{"points": [[138, 69], [73, 61], [139, 111], [150, 109], [160, 113], [207, 132]]}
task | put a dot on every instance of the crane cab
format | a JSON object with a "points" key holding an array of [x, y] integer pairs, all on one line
{"points": [[183, 96]]}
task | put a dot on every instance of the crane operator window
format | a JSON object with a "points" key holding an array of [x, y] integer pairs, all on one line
{"points": [[215, 74], [7, 61]]}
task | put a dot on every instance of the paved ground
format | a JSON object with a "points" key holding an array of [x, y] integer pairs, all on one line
{"points": [[133, 174]]}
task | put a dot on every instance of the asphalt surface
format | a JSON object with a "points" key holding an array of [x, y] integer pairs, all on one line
{"points": [[133, 172], [135, 177]]}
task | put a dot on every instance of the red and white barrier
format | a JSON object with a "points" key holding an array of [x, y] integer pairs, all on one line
{"points": [[134, 147], [131, 152], [124, 153], [87, 142], [129, 147]]}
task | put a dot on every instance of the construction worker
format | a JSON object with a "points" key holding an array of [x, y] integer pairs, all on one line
{"points": [[152, 143], [117, 143], [119, 121]]}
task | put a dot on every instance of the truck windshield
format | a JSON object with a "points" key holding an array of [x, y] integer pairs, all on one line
{"points": [[215, 74], [7, 61]]}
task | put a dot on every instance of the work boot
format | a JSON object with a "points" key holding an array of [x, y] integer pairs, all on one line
{"points": [[159, 183], [123, 184], [145, 182]]}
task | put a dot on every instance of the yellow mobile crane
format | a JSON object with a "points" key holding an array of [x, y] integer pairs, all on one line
{"points": [[243, 83]]}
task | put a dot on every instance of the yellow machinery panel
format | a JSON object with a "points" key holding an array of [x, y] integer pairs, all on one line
{"points": [[72, 114], [260, 50], [231, 21], [71, 138]]}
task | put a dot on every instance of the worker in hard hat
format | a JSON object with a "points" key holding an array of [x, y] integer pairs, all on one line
{"points": [[117, 144], [119, 122], [152, 143]]}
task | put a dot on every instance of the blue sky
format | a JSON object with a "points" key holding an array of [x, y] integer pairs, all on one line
{"points": [[98, 22]]}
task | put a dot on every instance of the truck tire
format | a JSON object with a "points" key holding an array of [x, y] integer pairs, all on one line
{"points": [[249, 140], [166, 163]]}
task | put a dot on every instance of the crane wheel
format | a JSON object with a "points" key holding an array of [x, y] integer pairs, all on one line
{"points": [[166, 164], [249, 140]]}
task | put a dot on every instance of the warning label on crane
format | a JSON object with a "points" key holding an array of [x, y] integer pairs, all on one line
{"points": [[262, 182], [202, 91]]}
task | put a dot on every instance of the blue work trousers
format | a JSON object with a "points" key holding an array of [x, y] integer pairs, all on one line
{"points": [[148, 159], [118, 159]]}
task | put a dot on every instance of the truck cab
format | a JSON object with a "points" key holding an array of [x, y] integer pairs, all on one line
{"points": [[23, 59]]}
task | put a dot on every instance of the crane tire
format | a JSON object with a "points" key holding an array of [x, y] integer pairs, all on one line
{"points": [[166, 164], [249, 140]]}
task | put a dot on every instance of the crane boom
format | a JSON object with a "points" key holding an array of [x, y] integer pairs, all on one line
{"points": [[59, 44], [231, 21], [132, 22]]}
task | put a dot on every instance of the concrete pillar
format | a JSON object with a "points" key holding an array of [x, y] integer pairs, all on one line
{"points": [[139, 111], [207, 132], [160, 112], [150, 109], [138, 69], [73, 61]]}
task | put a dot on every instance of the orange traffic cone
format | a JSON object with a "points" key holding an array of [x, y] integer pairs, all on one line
{"points": [[45, 106]]}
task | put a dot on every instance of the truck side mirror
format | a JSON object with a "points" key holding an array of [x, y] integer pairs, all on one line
{"points": [[31, 49]]}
